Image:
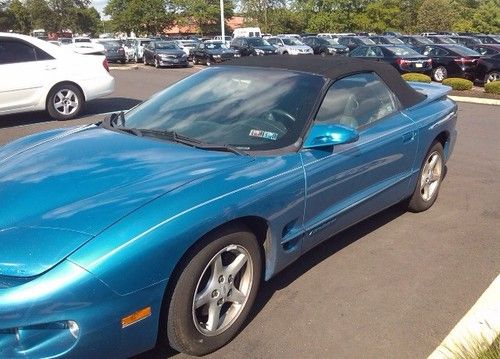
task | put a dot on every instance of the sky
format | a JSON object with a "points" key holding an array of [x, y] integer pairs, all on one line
{"points": [[99, 5]]}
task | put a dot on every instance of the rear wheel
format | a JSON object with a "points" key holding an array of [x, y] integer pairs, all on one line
{"points": [[429, 180], [208, 62], [195, 61], [157, 63], [439, 73], [65, 101], [492, 76], [322, 53], [214, 292]]}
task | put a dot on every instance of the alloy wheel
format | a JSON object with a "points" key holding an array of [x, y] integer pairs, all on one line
{"points": [[222, 290], [431, 176], [66, 102]]}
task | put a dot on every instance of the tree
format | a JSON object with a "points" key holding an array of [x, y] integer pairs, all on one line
{"points": [[435, 15], [487, 17], [379, 16], [6, 17], [40, 13], [205, 14], [21, 17]]}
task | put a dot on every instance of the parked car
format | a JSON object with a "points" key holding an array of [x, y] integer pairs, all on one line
{"points": [[467, 41], [222, 179], [211, 52], [401, 57], [187, 46], [488, 69], [441, 39], [130, 49], [387, 40], [82, 45], [450, 60], [295, 36], [139, 45], [38, 76], [488, 39], [392, 33], [354, 41], [415, 40], [487, 49], [290, 46], [227, 40], [164, 53], [247, 32], [324, 46], [114, 51], [253, 46]]}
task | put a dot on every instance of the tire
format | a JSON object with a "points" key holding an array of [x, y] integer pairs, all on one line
{"points": [[189, 328], [136, 59], [157, 64], [195, 61], [144, 61], [208, 62], [492, 76], [285, 53], [439, 73], [323, 54], [64, 102], [123, 61], [429, 180]]}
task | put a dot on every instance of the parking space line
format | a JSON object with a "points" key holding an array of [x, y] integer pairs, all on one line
{"points": [[477, 329]]}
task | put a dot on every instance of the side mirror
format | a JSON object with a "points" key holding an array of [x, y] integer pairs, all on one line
{"points": [[325, 135]]}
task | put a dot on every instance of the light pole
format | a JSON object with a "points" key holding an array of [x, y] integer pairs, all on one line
{"points": [[222, 30]]}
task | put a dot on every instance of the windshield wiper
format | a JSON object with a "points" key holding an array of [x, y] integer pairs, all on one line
{"points": [[193, 142]]}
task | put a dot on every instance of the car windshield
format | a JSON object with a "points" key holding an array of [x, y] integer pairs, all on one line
{"points": [[111, 44], [166, 46], [446, 40], [215, 45], [188, 43], [394, 40], [463, 51], [403, 51], [290, 41], [249, 108], [366, 41], [334, 41], [423, 40], [65, 41], [257, 41], [82, 40]]}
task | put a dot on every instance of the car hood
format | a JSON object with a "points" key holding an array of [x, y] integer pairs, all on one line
{"points": [[220, 51], [265, 48], [170, 52], [60, 191], [298, 47]]}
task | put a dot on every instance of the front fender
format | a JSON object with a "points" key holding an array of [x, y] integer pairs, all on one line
{"points": [[148, 244]]}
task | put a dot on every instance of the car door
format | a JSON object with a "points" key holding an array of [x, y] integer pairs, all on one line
{"points": [[349, 182], [148, 52], [24, 71]]}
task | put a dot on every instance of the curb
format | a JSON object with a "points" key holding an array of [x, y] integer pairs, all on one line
{"points": [[478, 100], [124, 68], [479, 327]]}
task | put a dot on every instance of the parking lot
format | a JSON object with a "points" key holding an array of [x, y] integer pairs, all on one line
{"points": [[393, 286]]}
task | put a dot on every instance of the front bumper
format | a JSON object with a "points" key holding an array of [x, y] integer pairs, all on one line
{"points": [[171, 62], [68, 293]]}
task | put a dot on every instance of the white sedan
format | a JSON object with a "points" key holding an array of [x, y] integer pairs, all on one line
{"points": [[37, 75]]}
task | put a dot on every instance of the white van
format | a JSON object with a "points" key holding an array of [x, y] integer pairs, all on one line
{"points": [[247, 32]]}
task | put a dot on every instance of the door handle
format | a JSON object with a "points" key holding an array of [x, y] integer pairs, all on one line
{"points": [[50, 67], [409, 137]]}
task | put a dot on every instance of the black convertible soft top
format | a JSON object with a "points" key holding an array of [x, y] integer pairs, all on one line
{"points": [[336, 67]]}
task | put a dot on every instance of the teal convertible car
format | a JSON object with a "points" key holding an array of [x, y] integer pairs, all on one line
{"points": [[159, 224]]}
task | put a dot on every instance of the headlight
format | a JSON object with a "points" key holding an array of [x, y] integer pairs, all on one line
{"points": [[216, 56], [163, 57], [259, 52], [332, 50]]}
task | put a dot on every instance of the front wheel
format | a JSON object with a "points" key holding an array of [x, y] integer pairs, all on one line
{"points": [[65, 102], [215, 292], [429, 180], [157, 63]]}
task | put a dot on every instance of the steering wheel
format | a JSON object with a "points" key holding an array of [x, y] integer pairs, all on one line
{"points": [[281, 115]]}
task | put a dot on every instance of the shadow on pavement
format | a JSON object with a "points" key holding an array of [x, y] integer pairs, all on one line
{"points": [[94, 107], [300, 267]]}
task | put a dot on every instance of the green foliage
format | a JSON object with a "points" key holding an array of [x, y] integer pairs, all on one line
{"points": [[493, 87], [458, 84], [487, 17], [204, 13], [21, 17], [435, 15], [417, 77], [379, 16]]}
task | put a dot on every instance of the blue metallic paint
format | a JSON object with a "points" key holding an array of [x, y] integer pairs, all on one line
{"points": [[116, 213]]}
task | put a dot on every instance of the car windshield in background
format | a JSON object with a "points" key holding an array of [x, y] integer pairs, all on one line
{"points": [[65, 41], [334, 41], [82, 40], [188, 43], [446, 40], [215, 45], [366, 41], [248, 108], [423, 40], [166, 46], [290, 41], [394, 40], [257, 41], [403, 51], [111, 44], [463, 51]]}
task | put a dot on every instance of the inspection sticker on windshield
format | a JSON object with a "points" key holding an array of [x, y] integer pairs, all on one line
{"points": [[264, 134]]}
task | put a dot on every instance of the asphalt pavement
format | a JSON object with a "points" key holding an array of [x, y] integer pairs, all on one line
{"points": [[393, 286]]}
